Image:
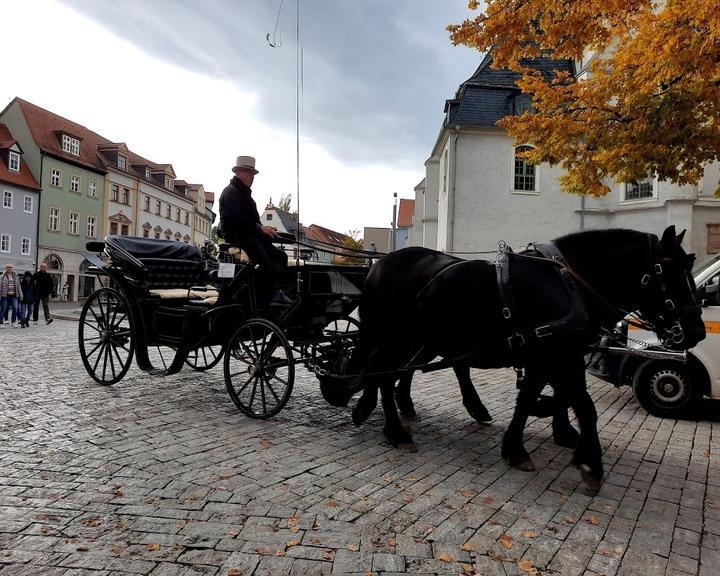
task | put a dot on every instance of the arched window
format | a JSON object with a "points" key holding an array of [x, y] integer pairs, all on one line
{"points": [[54, 262], [524, 172]]}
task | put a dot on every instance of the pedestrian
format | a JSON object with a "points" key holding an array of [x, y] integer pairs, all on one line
{"points": [[10, 295], [44, 288], [27, 284], [240, 224]]}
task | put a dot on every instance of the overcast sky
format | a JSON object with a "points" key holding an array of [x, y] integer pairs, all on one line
{"points": [[196, 83]]}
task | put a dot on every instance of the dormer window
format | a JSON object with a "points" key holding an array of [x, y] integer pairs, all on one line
{"points": [[122, 162], [70, 145], [148, 175], [14, 162], [168, 183]]}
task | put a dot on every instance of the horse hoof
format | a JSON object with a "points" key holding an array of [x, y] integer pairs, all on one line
{"points": [[591, 481], [524, 464], [359, 416], [485, 421], [407, 446]]}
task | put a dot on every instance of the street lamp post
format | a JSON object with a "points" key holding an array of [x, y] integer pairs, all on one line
{"points": [[393, 239]]}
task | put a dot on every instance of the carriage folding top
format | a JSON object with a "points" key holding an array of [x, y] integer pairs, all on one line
{"points": [[171, 304]]}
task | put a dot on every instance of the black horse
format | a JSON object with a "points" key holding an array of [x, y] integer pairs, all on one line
{"points": [[419, 304]]}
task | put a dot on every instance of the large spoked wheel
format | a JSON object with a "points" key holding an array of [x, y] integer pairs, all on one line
{"points": [[668, 389], [259, 369], [204, 358], [105, 336], [334, 356]]}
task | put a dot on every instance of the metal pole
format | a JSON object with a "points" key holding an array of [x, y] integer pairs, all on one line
{"points": [[393, 239]]}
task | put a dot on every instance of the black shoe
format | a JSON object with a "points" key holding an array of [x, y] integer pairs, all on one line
{"points": [[279, 297], [49, 321]]}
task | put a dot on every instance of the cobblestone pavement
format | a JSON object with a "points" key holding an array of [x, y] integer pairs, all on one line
{"points": [[164, 476]]}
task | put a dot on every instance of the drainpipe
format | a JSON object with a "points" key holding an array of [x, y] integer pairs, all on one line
{"points": [[582, 213], [37, 237], [451, 194]]}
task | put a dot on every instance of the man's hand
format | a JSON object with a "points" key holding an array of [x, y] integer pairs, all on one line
{"points": [[269, 231]]}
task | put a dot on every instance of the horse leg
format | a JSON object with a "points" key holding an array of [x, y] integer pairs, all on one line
{"points": [[563, 432], [471, 400], [365, 404], [588, 454], [394, 431], [402, 396], [513, 450]]}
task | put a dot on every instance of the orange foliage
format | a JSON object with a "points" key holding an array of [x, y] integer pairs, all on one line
{"points": [[648, 102]]}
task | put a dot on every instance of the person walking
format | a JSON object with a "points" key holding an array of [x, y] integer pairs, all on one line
{"points": [[27, 285], [44, 288], [10, 295]]}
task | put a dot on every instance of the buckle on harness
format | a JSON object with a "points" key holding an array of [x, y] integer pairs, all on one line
{"points": [[506, 313], [658, 269], [516, 341], [543, 331], [645, 280]]}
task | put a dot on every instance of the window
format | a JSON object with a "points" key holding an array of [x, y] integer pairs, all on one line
{"points": [[7, 199], [146, 201], [157, 207], [177, 214], [125, 196], [187, 218], [639, 190], [91, 226], [54, 218], [14, 162], [522, 104], [74, 183], [157, 235], [55, 178], [122, 162], [73, 223], [4, 242], [92, 189], [268, 217], [71, 145], [524, 176], [28, 204], [713, 238], [25, 246], [148, 174], [168, 183], [113, 228], [168, 211], [124, 229], [114, 191]]}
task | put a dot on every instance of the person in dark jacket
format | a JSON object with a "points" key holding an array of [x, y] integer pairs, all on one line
{"points": [[44, 288], [27, 284], [240, 224]]}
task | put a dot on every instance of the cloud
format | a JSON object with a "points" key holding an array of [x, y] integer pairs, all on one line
{"points": [[376, 73]]}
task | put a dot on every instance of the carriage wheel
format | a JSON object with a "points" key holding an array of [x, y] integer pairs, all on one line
{"points": [[105, 336], [259, 369], [204, 358], [341, 335], [341, 328]]}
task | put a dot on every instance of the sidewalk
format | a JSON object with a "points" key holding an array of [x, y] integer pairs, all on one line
{"points": [[66, 310]]}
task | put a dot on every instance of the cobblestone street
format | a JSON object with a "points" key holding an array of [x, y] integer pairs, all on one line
{"points": [[164, 476]]}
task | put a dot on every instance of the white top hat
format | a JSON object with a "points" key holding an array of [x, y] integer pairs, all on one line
{"points": [[245, 163]]}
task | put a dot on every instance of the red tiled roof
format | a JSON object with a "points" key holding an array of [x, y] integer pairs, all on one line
{"points": [[209, 197], [315, 232], [24, 177], [405, 213]]}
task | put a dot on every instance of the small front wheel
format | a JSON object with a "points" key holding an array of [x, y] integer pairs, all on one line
{"points": [[259, 369], [204, 358], [105, 336], [668, 389]]}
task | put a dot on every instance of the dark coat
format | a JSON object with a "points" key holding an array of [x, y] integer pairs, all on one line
{"points": [[27, 284], [239, 218], [43, 284]]}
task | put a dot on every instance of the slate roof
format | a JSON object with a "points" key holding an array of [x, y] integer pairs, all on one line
{"points": [[489, 94], [24, 177]]}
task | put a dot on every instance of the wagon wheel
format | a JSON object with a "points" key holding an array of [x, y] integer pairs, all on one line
{"points": [[346, 327], [335, 357], [105, 336], [204, 357], [259, 369]]}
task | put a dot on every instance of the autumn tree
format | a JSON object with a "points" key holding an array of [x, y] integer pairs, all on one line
{"points": [[352, 243], [646, 101], [284, 203]]}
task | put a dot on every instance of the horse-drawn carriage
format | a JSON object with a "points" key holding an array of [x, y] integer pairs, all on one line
{"points": [[170, 305]]}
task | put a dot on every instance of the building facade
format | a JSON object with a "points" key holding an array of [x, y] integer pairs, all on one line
{"points": [[19, 208]]}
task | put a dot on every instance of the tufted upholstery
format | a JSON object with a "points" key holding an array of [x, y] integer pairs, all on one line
{"points": [[168, 273]]}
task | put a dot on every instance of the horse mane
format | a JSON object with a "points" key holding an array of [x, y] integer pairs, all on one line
{"points": [[601, 236]]}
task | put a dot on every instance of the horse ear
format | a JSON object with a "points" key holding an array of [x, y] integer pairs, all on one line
{"points": [[668, 237], [679, 237]]}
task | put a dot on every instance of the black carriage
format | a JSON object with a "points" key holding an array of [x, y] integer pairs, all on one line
{"points": [[170, 304]]}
